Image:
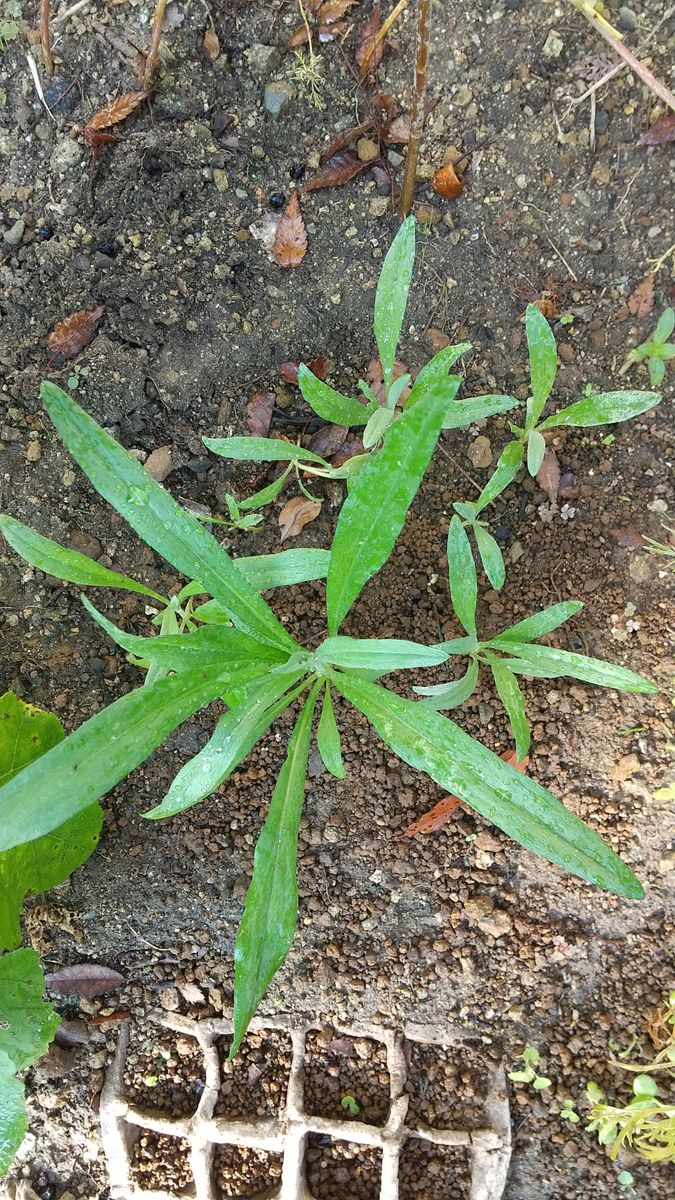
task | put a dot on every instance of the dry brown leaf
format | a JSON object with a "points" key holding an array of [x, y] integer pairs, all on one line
{"points": [[328, 440], [211, 45], [447, 182], [290, 242], [660, 132], [629, 538], [350, 448], [113, 113], [344, 139], [375, 379], [190, 992], [368, 54], [259, 413], [441, 812], [334, 10], [297, 513], [335, 171], [641, 301], [299, 38], [85, 979], [399, 129], [331, 33], [548, 476], [71, 336]]}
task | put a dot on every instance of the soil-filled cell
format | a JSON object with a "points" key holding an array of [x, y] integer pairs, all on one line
{"points": [[165, 1071], [255, 1082], [245, 1172], [428, 1172], [447, 1086], [342, 1170], [162, 1163], [346, 1078]]}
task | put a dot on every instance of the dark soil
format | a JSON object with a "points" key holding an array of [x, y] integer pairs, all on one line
{"points": [[244, 1171], [162, 1163], [339, 1169], [447, 1087], [443, 1172], [462, 927], [165, 1071], [339, 1067], [254, 1084]]}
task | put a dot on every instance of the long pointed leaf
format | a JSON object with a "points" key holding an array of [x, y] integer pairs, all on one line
{"points": [[450, 695], [604, 409], [264, 571], [331, 405], [391, 296], [463, 413], [373, 514], [490, 556], [463, 767], [462, 573], [434, 374], [508, 465], [154, 515], [271, 909], [258, 449], [543, 361], [540, 623], [328, 737], [512, 698], [379, 654], [577, 666]]}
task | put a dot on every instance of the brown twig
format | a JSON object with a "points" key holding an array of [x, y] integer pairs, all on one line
{"points": [[152, 59], [419, 107], [382, 33], [45, 36], [607, 32]]}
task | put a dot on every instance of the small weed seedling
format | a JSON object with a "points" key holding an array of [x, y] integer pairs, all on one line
{"points": [[657, 351], [219, 640], [528, 1072], [665, 549], [351, 1105]]}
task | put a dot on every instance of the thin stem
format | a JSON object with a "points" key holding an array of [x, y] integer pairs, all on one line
{"points": [[382, 33], [45, 36], [419, 107], [607, 32], [152, 59]]}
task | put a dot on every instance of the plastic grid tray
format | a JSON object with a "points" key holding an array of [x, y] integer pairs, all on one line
{"points": [[286, 1134]]}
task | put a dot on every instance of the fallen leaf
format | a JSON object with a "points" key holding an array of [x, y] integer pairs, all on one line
{"points": [[114, 1018], [641, 301], [441, 812], [344, 138], [173, 18], [375, 379], [259, 413], [629, 538], [113, 113], [369, 54], [299, 38], [342, 1048], [335, 171], [350, 448], [660, 132], [334, 10], [84, 979], [547, 307], [288, 371], [159, 463], [297, 513], [330, 33], [290, 242], [328, 440], [211, 45], [71, 335], [447, 182], [399, 130], [548, 476], [190, 992]]}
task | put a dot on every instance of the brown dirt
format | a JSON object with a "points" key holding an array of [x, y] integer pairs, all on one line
{"points": [[441, 1171], [339, 1169], [254, 1083], [196, 320], [339, 1067]]}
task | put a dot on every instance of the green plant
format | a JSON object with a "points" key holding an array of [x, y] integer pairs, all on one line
{"points": [[233, 648], [657, 351], [351, 1105], [569, 1113], [528, 1072], [666, 549], [10, 27], [513, 652]]}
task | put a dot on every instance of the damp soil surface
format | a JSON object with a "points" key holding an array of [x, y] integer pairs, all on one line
{"points": [[460, 928]]}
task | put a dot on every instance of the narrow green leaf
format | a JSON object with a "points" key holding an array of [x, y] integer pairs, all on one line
{"points": [[462, 572], [657, 371], [536, 449], [466, 509], [391, 296], [435, 374], [234, 737], [378, 654], [373, 514], [664, 327], [396, 391], [153, 513], [27, 1022], [463, 645], [13, 1119], [258, 449], [328, 737], [451, 695], [331, 405], [543, 361], [287, 567], [603, 409], [508, 465], [267, 494], [577, 666], [490, 556], [513, 802], [540, 623], [377, 426], [512, 698], [89, 762], [463, 413], [53, 559], [271, 909]]}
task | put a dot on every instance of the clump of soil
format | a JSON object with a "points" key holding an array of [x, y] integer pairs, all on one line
{"points": [[443, 1172], [245, 1171], [254, 1084], [341, 1170], [339, 1067], [164, 1071], [162, 1163], [447, 1086]]}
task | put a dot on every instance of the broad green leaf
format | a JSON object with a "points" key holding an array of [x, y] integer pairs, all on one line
{"points": [[373, 514], [331, 405], [536, 449], [153, 513], [53, 559], [378, 654], [604, 409], [26, 732], [657, 371], [462, 572], [27, 1022], [233, 739], [665, 326], [543, 361], [271, 909], [490, 556], [450, 695], [435, 374], [576, 666], [520, 667], [211, 613], [328, 737], [89, 762], [508, 465], [221, 648], [463, 413], [462, 766], [258, 449], [13, 1120], [264, 571], [531, 628], [377, 426], [463, 645], [267, 494], [508, 690], [466, 509], [391, 296]]}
